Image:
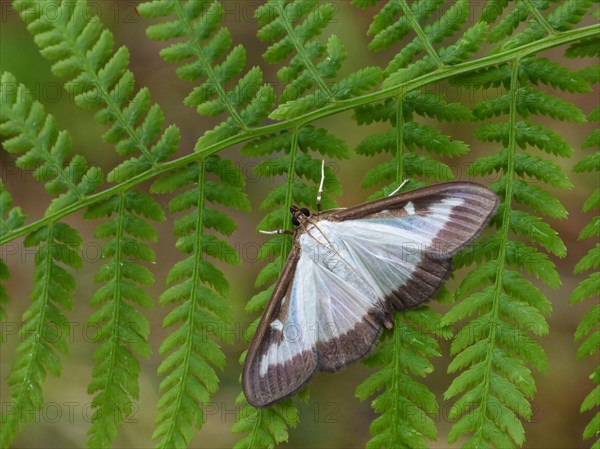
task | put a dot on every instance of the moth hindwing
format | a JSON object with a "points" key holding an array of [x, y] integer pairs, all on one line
{"points": [[346, 274]]}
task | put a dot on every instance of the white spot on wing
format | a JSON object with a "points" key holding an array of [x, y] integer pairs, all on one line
{"points": [[452, 202], [410, 208], [277, 325]]}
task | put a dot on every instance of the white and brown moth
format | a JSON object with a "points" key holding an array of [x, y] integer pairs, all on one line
{"points": [[348, 271]]}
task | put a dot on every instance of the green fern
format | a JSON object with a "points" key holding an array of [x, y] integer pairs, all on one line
{"points": [[588, 331], [492, 350], [562, 18], [434, 42], [45, 328], [122, 331], [406, 412], [407, 407], [294, 26], [207, 42], [33, 134], [202, 309], [10, 218], [45, 148], [199, 291], [82, 51]]}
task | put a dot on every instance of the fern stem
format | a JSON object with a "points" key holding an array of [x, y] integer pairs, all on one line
{"points": [[285, 248], [291, 32], [400, 139], [509, 175], [256, 427], [332, 109], [207, 67], [419, 32], [395, 380], [540, 18]]}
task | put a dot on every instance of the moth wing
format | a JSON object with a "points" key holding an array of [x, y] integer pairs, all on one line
{"points": [[280, 359], [397, 253], [350, 312], [440, 220], [364, 274], [321, 316]]}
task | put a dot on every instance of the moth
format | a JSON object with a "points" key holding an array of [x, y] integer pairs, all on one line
{"points": [[348, 271]]}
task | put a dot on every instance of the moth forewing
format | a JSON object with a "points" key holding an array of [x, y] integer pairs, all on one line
{"points": [[348, 271], [261, 390]]}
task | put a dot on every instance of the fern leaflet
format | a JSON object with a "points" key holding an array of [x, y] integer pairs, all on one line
{"points": [[29, 131], [406, 413], [199, 290], [202, 309], [588, 331], [82, 51], [10, 218], [492, 350]]}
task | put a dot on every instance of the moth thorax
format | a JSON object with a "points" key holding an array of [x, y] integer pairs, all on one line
{"points": [[299, 215]]}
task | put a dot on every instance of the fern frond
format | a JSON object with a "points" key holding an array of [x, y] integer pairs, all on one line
{"points": [[562, 18], [196, 286], [405, 413], [82, 51], [31, 132], [406, 406], [122, 330], [198, 290], [45, 328], [504, 311], [247, 103], [588, 331], [449, 21], [293, 27]]}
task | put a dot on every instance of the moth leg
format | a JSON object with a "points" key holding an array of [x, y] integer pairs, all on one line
{"points": [[277, 231], [320, 192], [399, 188]]}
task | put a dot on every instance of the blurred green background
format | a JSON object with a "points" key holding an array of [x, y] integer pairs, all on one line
{"points": [[333, 417]]}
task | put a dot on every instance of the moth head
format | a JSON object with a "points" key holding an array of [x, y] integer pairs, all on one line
{"points": [[299, 214]]}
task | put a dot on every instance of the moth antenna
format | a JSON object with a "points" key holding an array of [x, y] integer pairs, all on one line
{"points": [[399, 188], [320, 192], [277, 231]]}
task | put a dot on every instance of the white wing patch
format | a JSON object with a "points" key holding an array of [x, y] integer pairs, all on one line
{"points": [[276, 324], [347, 269]]}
